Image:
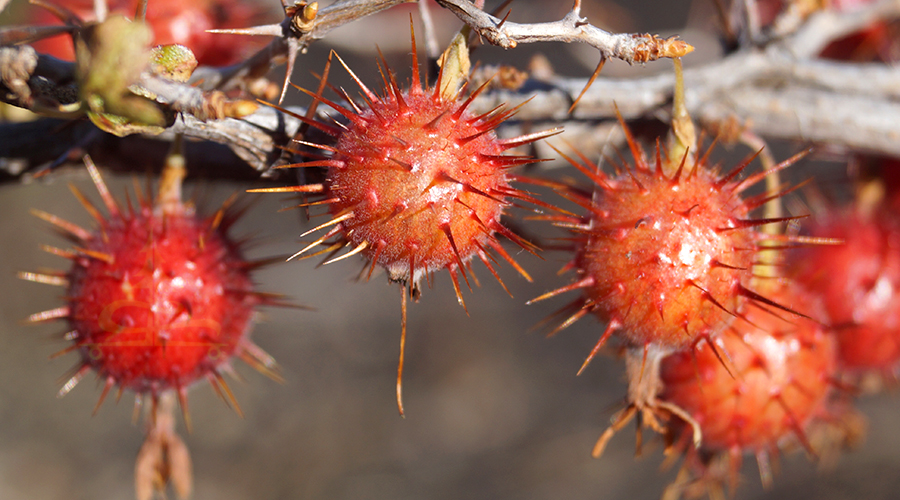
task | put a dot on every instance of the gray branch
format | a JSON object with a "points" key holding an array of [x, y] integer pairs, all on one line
{"points": [[777, 91], [572, 28], [854, 106]]}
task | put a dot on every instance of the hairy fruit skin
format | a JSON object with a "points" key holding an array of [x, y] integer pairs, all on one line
{"points": [[172, 304], [859, 282], [781, 366], [420, 183]]}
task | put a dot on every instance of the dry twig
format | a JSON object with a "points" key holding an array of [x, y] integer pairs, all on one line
{"points": [[632, 48], [777, 91]]}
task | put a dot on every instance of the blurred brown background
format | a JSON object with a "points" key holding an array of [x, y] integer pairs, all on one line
{"points": [[494, 411]]}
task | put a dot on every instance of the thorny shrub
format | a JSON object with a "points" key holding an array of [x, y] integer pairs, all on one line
{"points": [[492, 411]]}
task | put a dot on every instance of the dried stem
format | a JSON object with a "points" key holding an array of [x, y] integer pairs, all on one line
{"points": [[163, 457], [632, 48], [776, 91], [168, 199]]}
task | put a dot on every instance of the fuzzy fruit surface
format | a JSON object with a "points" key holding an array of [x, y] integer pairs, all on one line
{"points": [[170, 305], [418, 181], [666, 255], [859, 282], [782, 365]]}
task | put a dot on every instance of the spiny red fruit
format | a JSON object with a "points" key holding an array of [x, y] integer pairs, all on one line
{"points": [[431, 196], [666, 251], [421, 185], [859, 282], [155, 299], [777, 380], [417, 183], [183, 23]]}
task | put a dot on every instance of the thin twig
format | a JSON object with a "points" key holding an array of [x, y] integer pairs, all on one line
{"points": [[775, 91], [633, 48]]}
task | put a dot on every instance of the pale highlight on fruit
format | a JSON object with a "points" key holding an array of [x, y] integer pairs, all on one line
{"points": [[666, 252], [155, 299], [416, 183], [781, 371]]}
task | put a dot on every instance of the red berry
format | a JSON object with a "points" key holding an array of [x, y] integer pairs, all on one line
{"points": [[665, 252], [666, 255], [859, 282], [417, 183], [420, 183], [777, 380], [156, 299]]}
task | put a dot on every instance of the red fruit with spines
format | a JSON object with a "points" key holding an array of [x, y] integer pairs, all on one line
{"points": [[156, 299], [666, 251], [183, 23], [778, 379], [859, 282], [432, 195], [416, 183]]}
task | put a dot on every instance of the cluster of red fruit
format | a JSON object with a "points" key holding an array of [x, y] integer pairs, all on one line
{"points": [[725, 356], [731, 350]]}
